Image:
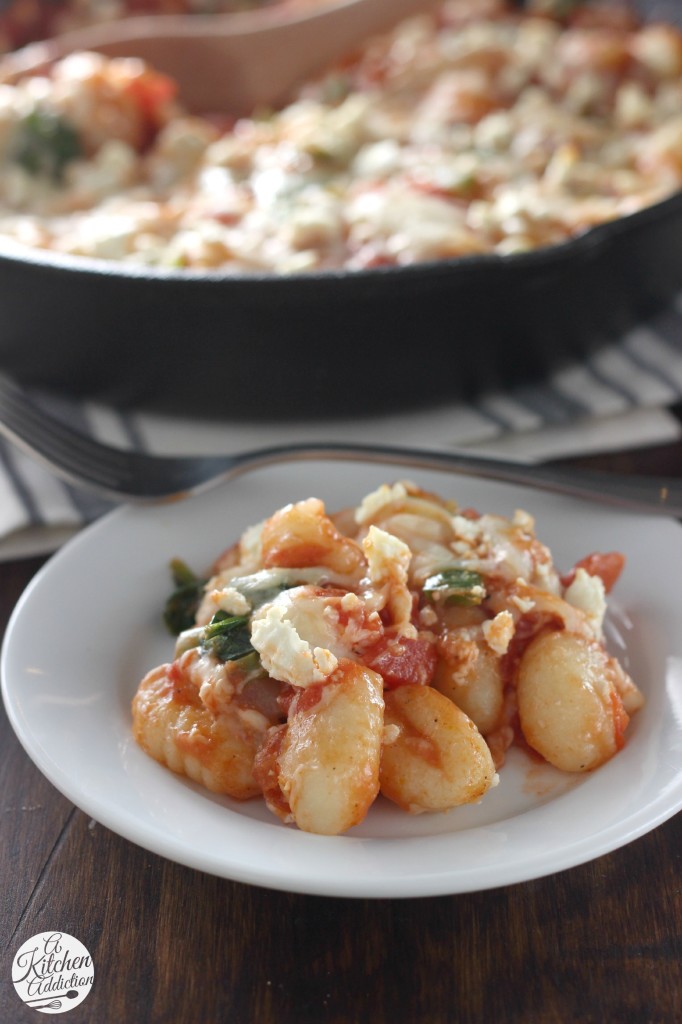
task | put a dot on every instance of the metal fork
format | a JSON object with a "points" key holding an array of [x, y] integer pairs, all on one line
{"points": [[139, 477]]}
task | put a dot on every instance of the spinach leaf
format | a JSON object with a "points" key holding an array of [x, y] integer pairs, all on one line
{"points": [[181, 607], [45, 144], [263, 586], [456, 586], [227, 637]]}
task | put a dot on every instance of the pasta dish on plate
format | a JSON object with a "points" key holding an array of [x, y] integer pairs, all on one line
{"points": [[396, 649]]}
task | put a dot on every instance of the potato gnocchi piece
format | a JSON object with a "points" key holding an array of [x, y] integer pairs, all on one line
{"points": [[302, 534], [438, 758], [570, 708], [173, 726], [474, 683], [325, 761]]}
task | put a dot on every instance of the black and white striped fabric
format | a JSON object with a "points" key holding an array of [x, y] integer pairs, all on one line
{"points": [[618, 398]]}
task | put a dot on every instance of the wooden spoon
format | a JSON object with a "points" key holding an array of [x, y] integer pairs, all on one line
{"points": [[232, 62]]}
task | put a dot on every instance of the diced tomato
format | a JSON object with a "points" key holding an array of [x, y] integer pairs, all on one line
{"points": [[608, 566], [403, 661], [285, 697], [152, 90], [306, 699], [293, 700]]}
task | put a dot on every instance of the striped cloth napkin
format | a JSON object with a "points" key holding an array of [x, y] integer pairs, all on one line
{"points": [[619, 398]]}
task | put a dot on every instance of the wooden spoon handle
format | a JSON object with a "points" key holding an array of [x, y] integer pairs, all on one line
{"points": [[233, 62]]}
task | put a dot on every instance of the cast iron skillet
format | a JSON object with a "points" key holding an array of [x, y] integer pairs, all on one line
{"points": [[336, 342]]}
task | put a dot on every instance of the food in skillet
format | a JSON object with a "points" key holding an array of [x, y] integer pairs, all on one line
{"points": [[398, 648], [473, 130]]}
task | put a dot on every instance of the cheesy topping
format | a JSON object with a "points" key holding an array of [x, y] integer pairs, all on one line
{"points": [[481, 127]]}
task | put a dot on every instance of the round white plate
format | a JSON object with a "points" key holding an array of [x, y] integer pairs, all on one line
{"points": [[88, 628]]}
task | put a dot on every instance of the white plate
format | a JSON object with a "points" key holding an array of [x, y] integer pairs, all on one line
{"points": [[88, 627]]}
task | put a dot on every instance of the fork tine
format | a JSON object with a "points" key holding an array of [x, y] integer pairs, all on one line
{"points": [[58, 446], [81, 460]]}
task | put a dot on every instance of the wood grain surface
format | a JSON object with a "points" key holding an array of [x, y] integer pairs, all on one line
{"points": [[598, 944]]}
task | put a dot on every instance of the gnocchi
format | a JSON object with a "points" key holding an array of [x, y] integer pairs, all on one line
{"points": [[437, 758], [570, 709], [397, 649]]}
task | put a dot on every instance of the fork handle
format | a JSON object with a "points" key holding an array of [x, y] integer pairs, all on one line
{"points": [[650, 494]]}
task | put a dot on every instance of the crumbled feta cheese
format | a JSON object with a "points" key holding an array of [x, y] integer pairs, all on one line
{"points": [[588, 594], [428, 616], [351, 602], [391, 734], [388, 562], [499, 632], [546, 577], [372, 503], [524, 521], [378, 159], [284, 654], [524, 604], [229, 600], [468, 530], [316, 224], [388, 557]]}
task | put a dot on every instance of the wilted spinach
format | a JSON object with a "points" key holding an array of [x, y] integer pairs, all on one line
{"points": [[45, 144]]}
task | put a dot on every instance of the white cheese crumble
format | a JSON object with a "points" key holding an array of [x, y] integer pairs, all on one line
{"points": [[391, 734], [229, 600], [546, 577], [524, 604], [524, 521], [388, 557], [428, 616], [351, 602], [499, 632], [588, 594], [373, 502], [284, 654], [467, 529], [388, 562]]}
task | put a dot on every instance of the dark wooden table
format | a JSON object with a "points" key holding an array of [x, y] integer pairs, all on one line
{"points": [[599, 943]]}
